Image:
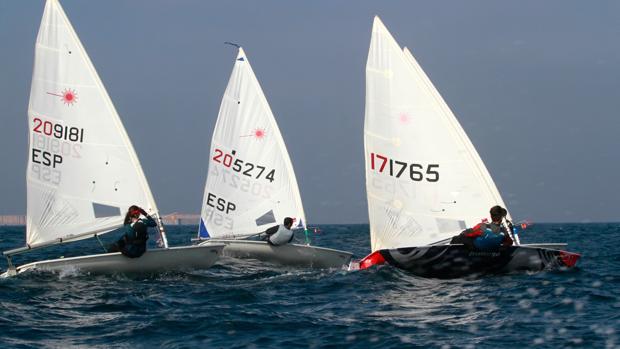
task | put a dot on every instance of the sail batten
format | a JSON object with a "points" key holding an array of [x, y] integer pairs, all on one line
{"points": [[250, 184], [80, 155], [424, 179]]}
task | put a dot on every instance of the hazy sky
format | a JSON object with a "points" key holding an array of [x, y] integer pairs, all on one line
{"points": [[535, 84]]}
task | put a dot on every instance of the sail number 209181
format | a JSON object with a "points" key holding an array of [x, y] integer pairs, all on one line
{"points": [[59, 131], [395, 168]]}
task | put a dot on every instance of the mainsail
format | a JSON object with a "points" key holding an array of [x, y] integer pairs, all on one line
{"points": [[424, 179], [250, 184], [83, 172]]}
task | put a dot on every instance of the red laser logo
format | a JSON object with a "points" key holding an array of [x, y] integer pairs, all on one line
{"points": [[258, 133], [68, 96]]}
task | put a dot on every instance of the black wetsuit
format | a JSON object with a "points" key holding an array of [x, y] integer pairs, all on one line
{"points": [[133, 242]]}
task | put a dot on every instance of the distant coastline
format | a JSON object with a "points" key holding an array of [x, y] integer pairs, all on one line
{"points": [[13, 220]]}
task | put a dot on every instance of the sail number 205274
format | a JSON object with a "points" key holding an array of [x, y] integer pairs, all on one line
{"points": [[246, 168], [395, 168]]}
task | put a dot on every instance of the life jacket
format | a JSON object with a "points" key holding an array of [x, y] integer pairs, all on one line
{"points": [[282, 236], [135, 240], [489, 240], [138, 234], [476, 231]]}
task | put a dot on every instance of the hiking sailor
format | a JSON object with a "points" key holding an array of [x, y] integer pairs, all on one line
{"points": [[133, 243], [280, 234], [486, 236]]}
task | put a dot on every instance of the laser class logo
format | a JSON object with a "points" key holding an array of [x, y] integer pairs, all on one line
{"points": [[68, 96], [404, 118], [258, 134]]}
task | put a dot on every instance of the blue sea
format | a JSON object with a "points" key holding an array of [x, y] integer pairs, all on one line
{"points": [[248, 304]]}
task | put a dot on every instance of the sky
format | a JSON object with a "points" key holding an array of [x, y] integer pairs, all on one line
{"points": [[535, 85]]}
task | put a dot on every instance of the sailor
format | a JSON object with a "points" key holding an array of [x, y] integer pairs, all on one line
{"points": [[133, 243], [280, 234], [486, 236]]}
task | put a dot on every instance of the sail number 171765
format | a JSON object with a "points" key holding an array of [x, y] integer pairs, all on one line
{"points": [[395, 168]]}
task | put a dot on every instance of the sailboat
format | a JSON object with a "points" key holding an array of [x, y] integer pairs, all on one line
{"points": [[425, 182], [83, 172], [251, 185]]}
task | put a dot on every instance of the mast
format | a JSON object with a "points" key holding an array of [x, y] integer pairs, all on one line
{"points": [[162, 232]]}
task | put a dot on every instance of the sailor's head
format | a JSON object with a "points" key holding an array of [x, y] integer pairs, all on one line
{"points": [[288, 222], [133, 211], [498, 213], [132, 215]]}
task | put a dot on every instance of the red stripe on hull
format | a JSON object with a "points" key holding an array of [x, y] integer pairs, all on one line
{"points": [[374, 258], [569, 259]]}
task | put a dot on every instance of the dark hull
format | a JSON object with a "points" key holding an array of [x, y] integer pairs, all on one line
{"points": [[455, 261]]}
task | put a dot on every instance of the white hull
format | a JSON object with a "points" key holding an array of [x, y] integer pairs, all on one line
{"points": [[289, 254], [152, 261]]}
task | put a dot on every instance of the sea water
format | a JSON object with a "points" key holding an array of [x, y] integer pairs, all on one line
{"points": [[249, 304]]}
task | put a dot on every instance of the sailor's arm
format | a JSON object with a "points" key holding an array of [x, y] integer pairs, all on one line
{"points": [[272, 230], [148, 221]]}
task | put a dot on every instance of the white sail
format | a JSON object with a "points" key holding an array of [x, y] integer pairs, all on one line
{"points": [[424, 179], [82, 172], [251, 185]]}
